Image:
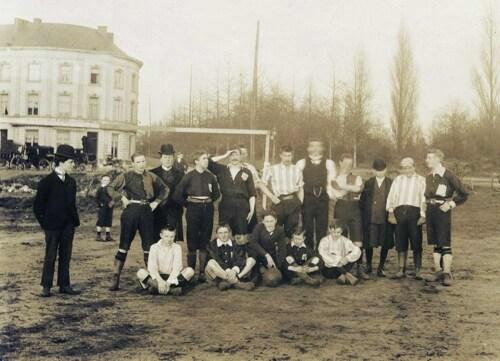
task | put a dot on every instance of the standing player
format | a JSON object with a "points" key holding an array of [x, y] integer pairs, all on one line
{"points": [[143, 192], [55, 210], [347, 190], [287, 194], [406, 206], [444, 191], [105, 212], [168, 213], [237, 205], [317, 174], [377, 231], [197, 191]]}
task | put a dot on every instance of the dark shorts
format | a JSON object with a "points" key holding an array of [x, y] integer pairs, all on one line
{"points": [[335, 272], [137, 217], [234, 212], [104, 217], [349, 213], [182, 281], [288, 213], [407, 232], [379, 235], [438, 226]]}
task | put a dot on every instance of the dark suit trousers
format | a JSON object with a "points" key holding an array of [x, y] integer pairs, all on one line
{"points": [[58, 240], [315, 218]]}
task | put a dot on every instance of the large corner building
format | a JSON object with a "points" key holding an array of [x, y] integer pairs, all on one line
{"points": [[60, 82]]}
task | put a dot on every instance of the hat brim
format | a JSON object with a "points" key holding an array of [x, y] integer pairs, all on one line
{"points": [[166, 153], [66, 156]]}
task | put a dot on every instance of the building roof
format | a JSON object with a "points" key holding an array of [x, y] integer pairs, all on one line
{"points": [[24, 33]]}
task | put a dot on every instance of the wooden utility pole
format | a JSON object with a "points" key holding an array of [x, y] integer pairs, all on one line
{"points": [[191, 96], [253, 104], [149, 128]]}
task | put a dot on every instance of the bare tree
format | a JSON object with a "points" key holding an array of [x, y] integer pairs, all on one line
{"points": [[486, 77], [357, 101], [404, 92]]}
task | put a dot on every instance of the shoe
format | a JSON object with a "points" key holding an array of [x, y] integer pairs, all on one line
{"points": [[69, 291], [109, 238], [436, 277], [381, 273], [202, 278], [362, 275], [351, 279], [399, 275], [45, 292], [246, 286], [115, 284], [308, 280], [341, 280], [98, 237], [295, 281], [175, 291], [369, 270], [418, 276], [223, 285], [447, 279]]}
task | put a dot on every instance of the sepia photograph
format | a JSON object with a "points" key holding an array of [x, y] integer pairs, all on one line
{"points": [[233, 180]]}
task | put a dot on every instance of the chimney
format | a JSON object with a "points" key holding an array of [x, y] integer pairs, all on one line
{"points": [[19, 24]]}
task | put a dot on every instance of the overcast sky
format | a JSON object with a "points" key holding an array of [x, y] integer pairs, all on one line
{"points": [[300, 41]]}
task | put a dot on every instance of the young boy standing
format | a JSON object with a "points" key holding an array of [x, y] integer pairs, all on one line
{"points": [[105, 213], [197, 191], [339, 254], [444, 191], [301, 262], [377, 231], [228, 264], [165, 274], [347, 191]]}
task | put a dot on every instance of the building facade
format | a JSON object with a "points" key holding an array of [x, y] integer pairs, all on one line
{"points": [[60, 82]]}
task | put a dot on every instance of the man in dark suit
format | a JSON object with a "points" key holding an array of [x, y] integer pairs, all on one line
{"points": [[168, 213], [377, 231], [55, 210]]}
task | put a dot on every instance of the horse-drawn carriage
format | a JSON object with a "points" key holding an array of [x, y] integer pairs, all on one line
{"points": [[26, 156]]}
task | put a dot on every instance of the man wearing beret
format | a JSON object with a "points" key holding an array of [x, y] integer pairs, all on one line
{"points": [[169, 212], [55, 210]]}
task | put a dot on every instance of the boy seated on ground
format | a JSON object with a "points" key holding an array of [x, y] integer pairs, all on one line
{"points": [[339, 254], [165, 274], [229, 266], [268, 244], [301, 261]]}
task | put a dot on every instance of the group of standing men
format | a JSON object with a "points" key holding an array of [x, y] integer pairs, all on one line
{"points": [[379, 212]]}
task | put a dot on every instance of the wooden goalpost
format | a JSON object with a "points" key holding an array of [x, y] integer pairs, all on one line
{"points": [[268, 134]]}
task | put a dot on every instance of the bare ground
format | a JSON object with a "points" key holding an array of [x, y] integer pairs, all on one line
{"points": [[380, 319]]}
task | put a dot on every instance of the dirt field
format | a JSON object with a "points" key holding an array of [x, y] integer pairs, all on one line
{"points": [[377, 320]]}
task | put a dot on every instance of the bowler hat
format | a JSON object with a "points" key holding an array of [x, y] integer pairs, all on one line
{"points": [[167, 149], [65, 151], [379, 164]]}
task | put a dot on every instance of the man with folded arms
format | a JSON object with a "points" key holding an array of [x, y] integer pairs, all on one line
{"points": [[287, 194]]}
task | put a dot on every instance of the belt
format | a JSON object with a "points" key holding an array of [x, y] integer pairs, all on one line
{"points": [[286, 197], [198, 200], [142, 203], [435, 201]]}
